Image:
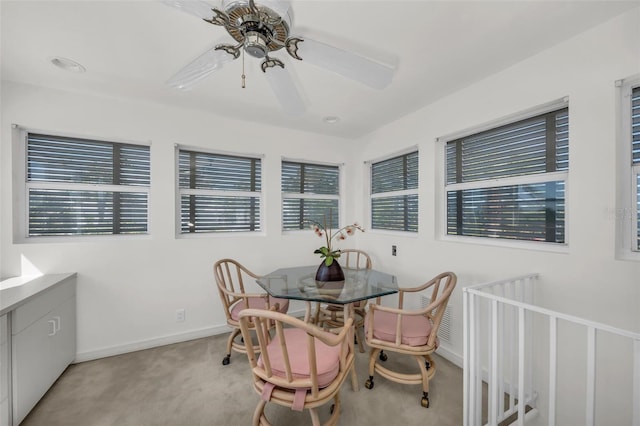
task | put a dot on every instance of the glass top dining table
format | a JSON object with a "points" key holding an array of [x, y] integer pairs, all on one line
{"points": [[299, 283]]}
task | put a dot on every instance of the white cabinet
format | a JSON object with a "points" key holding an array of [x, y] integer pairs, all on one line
{"points": [[42, 344], [5, 371]]}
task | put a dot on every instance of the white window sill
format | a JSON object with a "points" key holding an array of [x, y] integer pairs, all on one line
{"points": [[513, 244]]}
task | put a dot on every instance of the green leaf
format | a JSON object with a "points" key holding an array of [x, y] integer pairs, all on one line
{"points": [[328, 261]]}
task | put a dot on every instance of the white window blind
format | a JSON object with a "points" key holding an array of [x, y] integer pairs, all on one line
{"points": [[86, 187], [219, 193], [394, 193], [310, 192], [635, 155], [509, 182]]}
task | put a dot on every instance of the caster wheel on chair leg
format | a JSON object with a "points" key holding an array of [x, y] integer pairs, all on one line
{"points": [[425, 400], [369, 383], [226, 360], [383, 357]]}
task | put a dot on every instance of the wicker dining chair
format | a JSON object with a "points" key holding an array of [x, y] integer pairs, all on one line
{"points": [[300, 366], [332, 315], [230, 277], [408, 332]]}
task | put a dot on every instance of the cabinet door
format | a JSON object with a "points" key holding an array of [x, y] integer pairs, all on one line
{"points": [[63, 343], [5, 365], [33, 365]]}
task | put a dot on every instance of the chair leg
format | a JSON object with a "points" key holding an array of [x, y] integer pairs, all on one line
{"points": [[360, 339], [315, 418], [335, 410], [372, 359], [423, 364], [373, 355], [227, 359]]}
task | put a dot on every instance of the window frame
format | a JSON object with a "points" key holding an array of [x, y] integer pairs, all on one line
{"points": [[21, 187], [189, 191], [626, 212], [297, 195], [442, 188], [370, 196]]}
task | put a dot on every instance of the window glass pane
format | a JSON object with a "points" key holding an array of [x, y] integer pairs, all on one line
{"points": [[534, 212], [204, 213], [396, 174], [133, 212], [515, 149], [638, 211], [399, 213], [635, 124], [198, 170], [53, 159], [451, 162], [562, 140], [63, 212], [135, 165], [302, 178], [58, 159], [298, 213]]}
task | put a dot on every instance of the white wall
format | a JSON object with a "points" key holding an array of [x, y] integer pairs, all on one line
{"points": [[585, 280], [128, 290]]}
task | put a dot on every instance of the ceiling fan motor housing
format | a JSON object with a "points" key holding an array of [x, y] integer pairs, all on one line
{"points": [[262, 32]]}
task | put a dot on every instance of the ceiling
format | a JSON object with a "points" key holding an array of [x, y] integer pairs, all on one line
{"points": [[131, 48]]}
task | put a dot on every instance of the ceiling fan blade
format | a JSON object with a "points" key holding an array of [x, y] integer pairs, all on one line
{"points": [[200, 68], [347, 64], [285, 90], [199, 8]]}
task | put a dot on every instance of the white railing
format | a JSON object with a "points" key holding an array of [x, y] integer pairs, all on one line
{"points": [[498, 343]]}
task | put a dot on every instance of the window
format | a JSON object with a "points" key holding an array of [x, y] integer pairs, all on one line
{"points": [[394, 193], [635, 155], [627, 210], [310, 192], [509, 181], [218, 193], [86, 187]]}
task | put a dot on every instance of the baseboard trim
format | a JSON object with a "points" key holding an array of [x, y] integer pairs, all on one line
{"points": [[158, 341], [149, 343], [449, 355]]}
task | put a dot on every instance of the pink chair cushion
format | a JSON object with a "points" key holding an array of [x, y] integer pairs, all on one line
{"points": [[259, 303], [415, 328], [327, 357]]}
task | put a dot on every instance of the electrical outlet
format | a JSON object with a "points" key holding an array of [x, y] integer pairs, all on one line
{"points": [[394, 250], [180, 315]]}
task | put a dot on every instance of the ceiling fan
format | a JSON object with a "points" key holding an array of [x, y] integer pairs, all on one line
{"points": [[261, 29]]}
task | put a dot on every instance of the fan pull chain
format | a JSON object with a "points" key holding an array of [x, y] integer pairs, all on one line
{"points": [[243, 76]]}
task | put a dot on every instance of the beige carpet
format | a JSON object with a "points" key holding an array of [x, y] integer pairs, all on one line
{"points": [[186, 384]]}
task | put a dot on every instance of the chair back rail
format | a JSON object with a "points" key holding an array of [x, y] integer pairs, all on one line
{"points": [[230, 276], [285, 387]]}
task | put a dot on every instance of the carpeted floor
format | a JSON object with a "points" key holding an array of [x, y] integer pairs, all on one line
{"points": [[185, 384]]}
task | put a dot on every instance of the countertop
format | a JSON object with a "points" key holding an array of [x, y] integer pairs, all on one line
{"points": [[17, 291]]}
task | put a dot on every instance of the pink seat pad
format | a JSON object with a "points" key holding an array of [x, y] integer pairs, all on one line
{"points": [[259, 303], [415, 328], [327, 357]]}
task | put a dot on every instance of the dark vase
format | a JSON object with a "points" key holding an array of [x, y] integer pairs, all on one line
{"points": [[330, 273]]}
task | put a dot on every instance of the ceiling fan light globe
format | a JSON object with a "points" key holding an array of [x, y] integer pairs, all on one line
{"points": [[255, 44]]}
